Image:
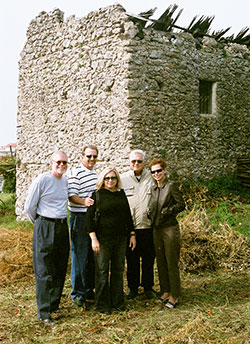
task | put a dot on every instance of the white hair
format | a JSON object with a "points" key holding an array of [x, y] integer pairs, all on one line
{"points": [[58, 152], [137, 151]]}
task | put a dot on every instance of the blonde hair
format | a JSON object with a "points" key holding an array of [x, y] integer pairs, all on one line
{"points": [[100, 181]]}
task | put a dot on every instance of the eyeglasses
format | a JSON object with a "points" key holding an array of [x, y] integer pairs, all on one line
{"points": [[110, 178], [91, 156], [59, 162], [157, 171], [138, 161]]}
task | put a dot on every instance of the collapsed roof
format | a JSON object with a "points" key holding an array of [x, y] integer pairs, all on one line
{"points": [[198, 27]]}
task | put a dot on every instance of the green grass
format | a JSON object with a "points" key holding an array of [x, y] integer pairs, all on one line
{"points": [[236, 215], [9, 221], [7, 208]]}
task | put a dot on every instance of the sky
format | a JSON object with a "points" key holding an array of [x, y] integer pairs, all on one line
{"points": [[15, 16]]}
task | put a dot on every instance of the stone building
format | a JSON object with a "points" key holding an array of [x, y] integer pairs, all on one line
{"points": [[103, 79]]}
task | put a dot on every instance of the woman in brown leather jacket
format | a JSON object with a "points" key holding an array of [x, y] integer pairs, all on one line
{"points": [[166, 202]]}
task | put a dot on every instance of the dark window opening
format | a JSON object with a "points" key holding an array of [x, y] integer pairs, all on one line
{"points": [[205, 96]]}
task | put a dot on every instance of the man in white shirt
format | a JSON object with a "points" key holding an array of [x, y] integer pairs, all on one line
{"points": [[82, 183], [46, 206], [137, 183]]}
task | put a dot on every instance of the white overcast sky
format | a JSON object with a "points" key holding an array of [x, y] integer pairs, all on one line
{"points": [[15, 16]]}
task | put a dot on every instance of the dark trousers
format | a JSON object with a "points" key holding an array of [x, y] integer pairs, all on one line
{"points": [[109, 265], [50, 259], [167, 248], [82, 259], [145, 251]]}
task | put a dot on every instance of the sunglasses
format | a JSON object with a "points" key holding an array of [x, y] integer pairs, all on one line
{"points": [[59, 162], [110, 178], [138, 161], [158, 171], [91, 156]]}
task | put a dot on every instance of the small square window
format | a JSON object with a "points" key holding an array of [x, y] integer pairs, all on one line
{"points": [[205, 96]]}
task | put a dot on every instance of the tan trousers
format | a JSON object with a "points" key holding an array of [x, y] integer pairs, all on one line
{"points": [[167, 249]]}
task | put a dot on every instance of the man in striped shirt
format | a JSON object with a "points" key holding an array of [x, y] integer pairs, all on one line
{"points": [[82, 183]]}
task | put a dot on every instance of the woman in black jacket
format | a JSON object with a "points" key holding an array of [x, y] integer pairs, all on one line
{"points": [[166, 202], [109, 224]]}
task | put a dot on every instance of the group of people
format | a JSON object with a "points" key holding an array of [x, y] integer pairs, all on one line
{"points": [[112, 216]]}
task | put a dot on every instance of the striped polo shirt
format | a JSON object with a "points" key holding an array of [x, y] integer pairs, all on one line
{"points": [[82, 182]]}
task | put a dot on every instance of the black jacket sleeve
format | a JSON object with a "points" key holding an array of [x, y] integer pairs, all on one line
{"points": [[130, 225], [90, 216], [175, 203]]}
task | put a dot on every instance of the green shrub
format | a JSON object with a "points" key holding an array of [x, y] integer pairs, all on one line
{"points": [[8, 170], [10, 182], [217, 187], [225, 184], [225, 199], [7, 201]]}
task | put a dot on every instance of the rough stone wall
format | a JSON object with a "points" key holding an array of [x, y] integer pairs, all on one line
{"points": [[165, 71], [72, 91], [103, 80]]}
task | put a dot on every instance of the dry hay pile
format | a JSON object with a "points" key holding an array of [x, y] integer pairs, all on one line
{"points": [[194, 330], [204, 248], [196, 193], [200, 330], [16, 255]]}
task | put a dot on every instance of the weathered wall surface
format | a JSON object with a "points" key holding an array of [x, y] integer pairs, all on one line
{"points": [[165, 73], [102, 80], [72, 91]]}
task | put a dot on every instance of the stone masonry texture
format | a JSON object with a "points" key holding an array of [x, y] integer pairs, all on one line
{"points": [[104, 80]]}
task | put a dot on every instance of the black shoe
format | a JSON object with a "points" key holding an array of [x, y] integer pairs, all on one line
{"points": [[48, 322], [54, 309], [171, 305], [90, 295], [120, 308], [132, 294], [80, 303], [161, 301], [150, 294], [105, 311]]}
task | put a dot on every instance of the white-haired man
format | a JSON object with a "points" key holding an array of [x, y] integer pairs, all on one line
{"points": [[137, 184]]}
